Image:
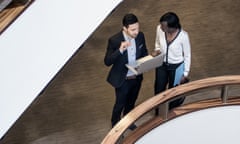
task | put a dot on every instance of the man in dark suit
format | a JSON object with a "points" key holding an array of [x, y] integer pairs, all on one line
{"points": [[125, 47]]}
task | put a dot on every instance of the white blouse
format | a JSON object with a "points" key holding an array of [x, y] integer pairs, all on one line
{"points": [[178, 51]]}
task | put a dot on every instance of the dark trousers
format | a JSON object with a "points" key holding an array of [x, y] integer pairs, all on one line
{"points": [[126, 96], [165, 76]]}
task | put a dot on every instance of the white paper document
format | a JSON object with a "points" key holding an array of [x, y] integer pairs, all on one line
{"points": [[145, 64]]}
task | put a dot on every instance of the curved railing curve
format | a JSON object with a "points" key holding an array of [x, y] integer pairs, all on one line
{"points": [[222, 81]]}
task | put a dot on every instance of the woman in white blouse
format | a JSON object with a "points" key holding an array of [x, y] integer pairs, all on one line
{"points": [[173, 42]]}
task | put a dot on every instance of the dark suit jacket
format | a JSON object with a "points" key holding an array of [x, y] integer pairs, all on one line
{"points": [[114, 58]]}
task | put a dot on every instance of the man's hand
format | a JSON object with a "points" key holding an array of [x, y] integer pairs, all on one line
{"points": [[124, 45]]}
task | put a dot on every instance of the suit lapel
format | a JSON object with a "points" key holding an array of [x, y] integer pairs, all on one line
{"points": [[138, 47], [121, 38]]}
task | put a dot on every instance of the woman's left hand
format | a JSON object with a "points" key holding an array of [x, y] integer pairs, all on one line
{"points": [[184, 80]]}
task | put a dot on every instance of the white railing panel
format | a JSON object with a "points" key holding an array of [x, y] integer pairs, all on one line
{"points": [[37, 45], [219, 125]]}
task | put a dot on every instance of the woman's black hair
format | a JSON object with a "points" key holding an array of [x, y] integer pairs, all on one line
{"points": [[172, 20]]}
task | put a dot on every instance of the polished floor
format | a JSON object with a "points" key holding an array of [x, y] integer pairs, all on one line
{"points": [[75, 107]]}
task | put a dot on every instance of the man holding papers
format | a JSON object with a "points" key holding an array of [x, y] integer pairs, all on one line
{"points": [[173, 42], [123, 48]]}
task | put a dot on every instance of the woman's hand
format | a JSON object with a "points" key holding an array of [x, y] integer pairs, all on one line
{"points": [[156, 53], [184, 80]]}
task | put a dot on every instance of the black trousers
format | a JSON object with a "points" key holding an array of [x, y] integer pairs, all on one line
{"points": [[126, 96], [165, 76]]}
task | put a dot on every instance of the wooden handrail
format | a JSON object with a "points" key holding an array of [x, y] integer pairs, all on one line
{"points": [[223, 81], [12, 12]]}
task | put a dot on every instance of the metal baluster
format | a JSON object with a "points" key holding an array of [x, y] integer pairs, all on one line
{"points": [[224, 94]]}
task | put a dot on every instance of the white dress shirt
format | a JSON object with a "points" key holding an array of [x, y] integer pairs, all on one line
{"points": [[131, 50], [179, 50]]}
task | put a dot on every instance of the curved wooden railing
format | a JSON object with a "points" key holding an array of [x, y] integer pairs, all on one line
{"points": [[11, 13], [163, 98]]}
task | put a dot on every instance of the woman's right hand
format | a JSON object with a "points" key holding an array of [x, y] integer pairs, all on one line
{"points": [[156, 53]]}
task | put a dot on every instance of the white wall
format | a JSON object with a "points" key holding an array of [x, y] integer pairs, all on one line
{"points": [[37, 45], [218, 125]]}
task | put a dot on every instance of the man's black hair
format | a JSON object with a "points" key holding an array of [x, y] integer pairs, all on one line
{"points": [[129, 19]]}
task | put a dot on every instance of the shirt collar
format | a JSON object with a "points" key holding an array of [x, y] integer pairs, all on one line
{"points": [[126, 37]]}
